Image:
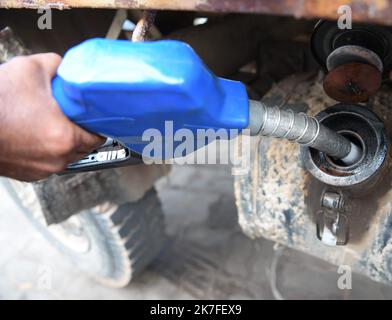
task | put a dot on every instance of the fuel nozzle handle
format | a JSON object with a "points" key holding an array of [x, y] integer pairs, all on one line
{"points": [[298, 127], [143, 89]]}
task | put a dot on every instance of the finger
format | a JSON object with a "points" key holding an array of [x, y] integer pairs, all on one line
{"points": [[86, 141], [45, 166], [23, 173], [49, 61]]}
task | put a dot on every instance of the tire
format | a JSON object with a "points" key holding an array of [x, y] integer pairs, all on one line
{"points": [[108, 242]]}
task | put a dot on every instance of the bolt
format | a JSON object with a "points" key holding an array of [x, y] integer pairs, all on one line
{"points": [[332, 223], [332, 200]]}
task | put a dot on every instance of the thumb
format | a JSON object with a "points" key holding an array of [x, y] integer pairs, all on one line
{"points": [[87, 141], [49, 62]]}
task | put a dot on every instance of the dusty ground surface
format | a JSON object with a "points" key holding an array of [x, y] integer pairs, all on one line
{"points": [[208, 255]]}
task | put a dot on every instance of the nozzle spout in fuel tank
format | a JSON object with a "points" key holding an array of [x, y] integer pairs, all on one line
{"points": [[299, 127]]}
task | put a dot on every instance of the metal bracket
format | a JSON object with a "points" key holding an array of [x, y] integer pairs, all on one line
{"points": [[331, 221]]}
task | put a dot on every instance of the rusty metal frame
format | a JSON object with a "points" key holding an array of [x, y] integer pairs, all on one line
{"points": [[375, 11]]}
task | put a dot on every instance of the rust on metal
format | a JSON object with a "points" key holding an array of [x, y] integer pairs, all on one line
{"points": [[352, 82], [376, 11], [143, 26]]}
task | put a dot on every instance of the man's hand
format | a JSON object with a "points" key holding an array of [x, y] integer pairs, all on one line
{"points": [[36, 138]]}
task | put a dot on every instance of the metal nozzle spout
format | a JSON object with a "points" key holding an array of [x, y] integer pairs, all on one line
{"points": [[300, 128]]}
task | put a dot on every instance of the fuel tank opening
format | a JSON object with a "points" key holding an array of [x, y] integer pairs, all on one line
{"points": [[357, 151], [367, 132]]}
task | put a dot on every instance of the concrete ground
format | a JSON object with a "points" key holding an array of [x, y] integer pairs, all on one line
{"points": [[207, 257]]}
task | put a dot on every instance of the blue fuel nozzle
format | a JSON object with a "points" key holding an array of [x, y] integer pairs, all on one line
{"points": [[120, 89]]}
